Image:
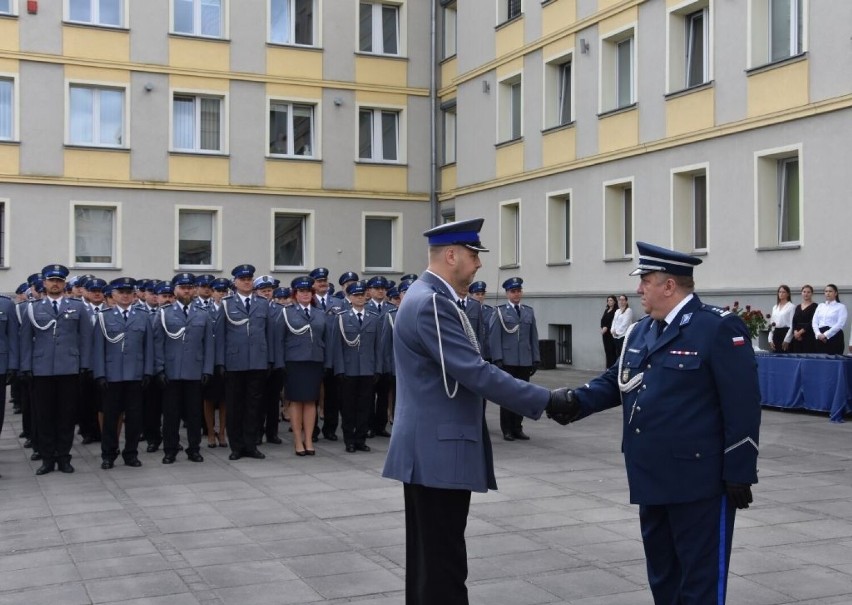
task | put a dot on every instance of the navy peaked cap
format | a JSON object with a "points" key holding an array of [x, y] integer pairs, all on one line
{"points": [[512, 283], [459, 233], [476, 287], [221, 284], [655, 258], [378, 281], [243, 271], [348, 276], [356, 287], [204, 280], [123, 283], [319, 273], [95, 284], [303, 282], [184, 279], [54, 272]]}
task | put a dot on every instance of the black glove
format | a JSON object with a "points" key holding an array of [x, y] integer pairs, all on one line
{"points": [[146, 380], [26, 377], [534, 368], [205, 378], [562, 407], [102, 384], [11, 375], [219, 371], [498, 363], [162, 380], [739, 494]]}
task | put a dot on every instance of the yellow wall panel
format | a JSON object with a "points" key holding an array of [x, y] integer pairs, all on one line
{"points": [[779, 88], [604, 4], [510, 159], [560, 47], [10, 159], [97, 164], [618, 131], [448, 178], [690, 112], [199, 169], [193, 83], [449, 70], [94, 43], [510, 68], [10, 66], [293, 174], [509, 37], [212, 55], [97, 74], [291, 91], [557, 14], [377, 70], [619, 21], [9, 34], [558, 146], [381, 179], [365, 97], [294, 63]]}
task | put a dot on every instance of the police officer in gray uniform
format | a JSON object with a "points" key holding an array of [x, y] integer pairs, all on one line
{"points": [[122, 364], [184, 353], [477, 291], [9, 342], [330, 306]]}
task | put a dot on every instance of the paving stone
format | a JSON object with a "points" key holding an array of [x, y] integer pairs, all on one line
{"points": [[244, 573], [280, 593], [349, 585], [66, 594]]}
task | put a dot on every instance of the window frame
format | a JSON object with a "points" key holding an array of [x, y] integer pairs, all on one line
{"points": [[768, 220], [14, 118], [609, 81], [315, 122], [4, 232], [396, 219], [224, 9], [308, 226], [449, 50], [13, 9], [511, 235], [503, 7], [116, 207], [559, 232], [98, 87], [683, 211], [506, 106], [759, 46], [315, 29], [377, 33], [553, 90], [215, 242], [376, 134], [617, 242], [95, 10], [678, 31], [223, 120], [449, 136]]}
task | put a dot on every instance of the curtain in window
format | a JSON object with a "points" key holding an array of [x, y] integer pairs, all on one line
{"points": [[278, 128], [183, 16], [80, 10], [6, 109], [183, 123], [378, 243], [195, 238], [210, 124], [111, 117], [110, 12], [390, 30], [365, 28], [93, 228], [302, 130], [389, 135], [305, 22], [365, 134], [289, 240], [279, 21], [81, 109], [211, 18]]}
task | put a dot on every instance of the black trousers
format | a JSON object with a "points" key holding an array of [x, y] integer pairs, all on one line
{"points": [[244, 401], [2, 403], [435, 550], [25, 397], [122, 397], [331, 405], [182, 400], [271, 405], [357, 400], [55, 399], [153, 413], [833, 346], [88, 407], [379, 409], [510, 422]]}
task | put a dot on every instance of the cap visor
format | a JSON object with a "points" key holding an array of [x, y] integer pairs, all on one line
{"points": [[476, 248]]}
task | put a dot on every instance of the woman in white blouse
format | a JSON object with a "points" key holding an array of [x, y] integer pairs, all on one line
{"points": [[829, 319], [620, 322], [781, 320]]}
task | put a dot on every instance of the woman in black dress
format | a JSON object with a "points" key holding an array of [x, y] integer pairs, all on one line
{"points": [[606, 330], [803, 334]]}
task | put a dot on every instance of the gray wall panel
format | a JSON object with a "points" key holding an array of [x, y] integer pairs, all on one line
{"points": [[651, 78], [476, 34], [419, 150], [476, 134], [586, 93], [247, 116], [149, 126], [533, 109], [149, 27], [829, 50], [729, 62], [339, 40], [248, 35], [419, 43], [42, 102], [41, 33], [339, 148]]}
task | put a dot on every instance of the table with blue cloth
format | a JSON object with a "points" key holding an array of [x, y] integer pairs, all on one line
{"points": [[821, 383]]}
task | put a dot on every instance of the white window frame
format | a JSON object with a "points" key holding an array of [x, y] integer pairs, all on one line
{"points": [[95, 9], [503, 11], [15, 108], [616, 219], [116, 234], [510, 234], [4, 231], [308, 218], [506, 108], [552, 93], [376, 141], [316, 26], [13, 9], [98, 86], [767, 196], [215, 244], [678, 43], [315, 125], [396, 245], [378, 31], [682, 195], [559, 230], [196, 21], [449, 30], [449, 132], [223, 120], [608, 82], [759, 50]]}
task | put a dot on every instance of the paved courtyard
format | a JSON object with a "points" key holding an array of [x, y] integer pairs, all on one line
{"points": [[329, 529]]}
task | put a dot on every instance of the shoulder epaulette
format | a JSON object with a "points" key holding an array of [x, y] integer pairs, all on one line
{"points": [[718, 311], [6, 297], [335, 310]]}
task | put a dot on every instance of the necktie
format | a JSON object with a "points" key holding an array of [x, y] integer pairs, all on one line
{"points": [[248, 305], [186, 310], [379, 307], [360, 319], [97, 310], [518, 310], [55, 308], [125, 314], [661, 325], [460, 303], [322, 302], [307, 314]]}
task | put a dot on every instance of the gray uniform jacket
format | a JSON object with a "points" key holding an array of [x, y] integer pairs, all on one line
{"points": [[184, 347], [514, 340], [386, 343], [55, 344], [243, 338], [123, 349], [295, 341], [355, 348], [9, 335]]}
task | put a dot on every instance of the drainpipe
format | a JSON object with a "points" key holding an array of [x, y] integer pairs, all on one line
{"points": [[433, 108]]}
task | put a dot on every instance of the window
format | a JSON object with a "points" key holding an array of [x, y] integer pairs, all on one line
{"points": [[449, 30], [291, 129], [618, 220], [95, 227], [196, 245], [618, 81], [508, 10], [689, 208], [559, 227], [198, 18], [7, 109], [778, 185], [3, 242], [558, 92], [7, 7], [378, 135], [380, 242], [378, 28], [290, 237], [449, 130], [510, 112], [777, 29], [510, 234], [97, 12], [197, 123], [292, 22], [95, 116], [689, 45]]}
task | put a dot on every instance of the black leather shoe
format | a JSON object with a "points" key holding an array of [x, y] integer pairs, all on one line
{"points": [[521, 435], [382, 433], [23, 435], [274, 439], [310, 452], [195, 457], [152, 447], [508, 437], [234, 456], [107, 464], [254, 454], [44, 469], [168, 459], [331, 437], [65, 467], [350, 449], [28, 443], [362, 447], [89, 439], [134, 462], [35, 456]]}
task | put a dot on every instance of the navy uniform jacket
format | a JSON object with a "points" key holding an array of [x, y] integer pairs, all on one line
{"points": [[485, 344], [692, 420], [330, 303], [474, 311], [374, 308], [130, 357], [294, 342], [386, 343], [55, 349], [243, 345], [357, 360], [9, 335], [183, 345], [514, 341], [439, 435]]}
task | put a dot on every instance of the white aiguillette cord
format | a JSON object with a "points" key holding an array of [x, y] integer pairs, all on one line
{"points": [[468, 331], [297, 331]]}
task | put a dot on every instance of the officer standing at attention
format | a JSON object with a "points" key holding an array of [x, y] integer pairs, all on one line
{"points": [[477, 291], [244, 354], [264, 286], [687, 382], [330, 398], [183, 362], [9, 342], [122, 365], [440, 448], [513, 344], [90, 409]]}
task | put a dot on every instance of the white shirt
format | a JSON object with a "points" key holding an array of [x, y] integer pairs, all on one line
{"points": [[621, 321], [831, 314], [673, 313], [782, 317]]}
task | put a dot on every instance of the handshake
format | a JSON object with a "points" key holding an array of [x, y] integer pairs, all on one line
{"points": [[562, 407]]}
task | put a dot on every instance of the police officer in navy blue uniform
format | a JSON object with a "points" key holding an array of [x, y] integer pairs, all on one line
{"points": [[90, 407], [377, 288], [184, 355], [687, 383], [477, 291], [244, 353], [330, 306], [122, 365], [513, 346], [214, 391], [264, 286], [9, 353]]}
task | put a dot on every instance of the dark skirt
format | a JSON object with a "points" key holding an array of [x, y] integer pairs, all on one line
{"points": [[214, 391], [778, 336], [303, 380], [832, 346]]}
